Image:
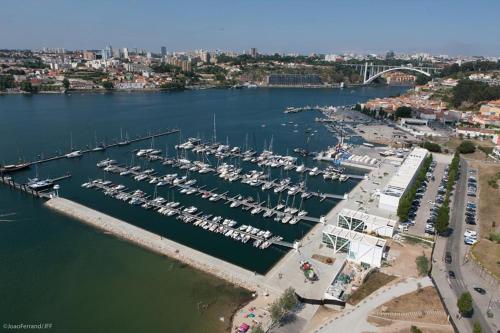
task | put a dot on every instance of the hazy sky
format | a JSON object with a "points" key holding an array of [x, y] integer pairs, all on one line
{"points": [[444, 27]]}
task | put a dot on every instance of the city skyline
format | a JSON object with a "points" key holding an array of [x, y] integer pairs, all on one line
{"points": [[270, 27]]}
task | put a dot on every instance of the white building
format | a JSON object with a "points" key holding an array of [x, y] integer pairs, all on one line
{"points": [[402, 180], [363, 222], [360, 248]]}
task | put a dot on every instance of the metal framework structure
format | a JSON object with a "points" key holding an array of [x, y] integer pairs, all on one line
{"points": [[370, 72]]}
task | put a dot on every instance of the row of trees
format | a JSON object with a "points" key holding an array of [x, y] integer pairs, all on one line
{"points": [[443, 215], [456, 70], [409, 196]]}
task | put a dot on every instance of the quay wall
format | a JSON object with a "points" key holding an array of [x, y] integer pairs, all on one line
{"points": [[161, 245]]}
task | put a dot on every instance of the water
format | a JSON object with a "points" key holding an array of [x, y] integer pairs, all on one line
{"points": [[61, 271]]}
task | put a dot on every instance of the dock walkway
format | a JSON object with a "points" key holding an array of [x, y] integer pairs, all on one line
{"points": [[86, 151]]}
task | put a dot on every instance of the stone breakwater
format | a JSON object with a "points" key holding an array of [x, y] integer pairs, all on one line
{"points": [[148, 240]]}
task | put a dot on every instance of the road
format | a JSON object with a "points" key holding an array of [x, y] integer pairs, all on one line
{"points": [[465, 279]]}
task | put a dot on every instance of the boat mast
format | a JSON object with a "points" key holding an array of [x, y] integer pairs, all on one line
{"points": [[215, 130]]}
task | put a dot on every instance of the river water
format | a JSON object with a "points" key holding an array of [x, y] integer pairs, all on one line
{"points": [[56, 270]]}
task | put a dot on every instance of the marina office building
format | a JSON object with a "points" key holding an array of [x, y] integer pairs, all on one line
{"points": [[402, 180], [358, 226]]}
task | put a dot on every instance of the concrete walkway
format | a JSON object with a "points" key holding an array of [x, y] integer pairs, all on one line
{"points": [[354, 320]]}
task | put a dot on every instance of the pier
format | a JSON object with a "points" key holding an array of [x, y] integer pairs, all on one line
{"points": [[117, 144], [148, 240], [44, 194]]}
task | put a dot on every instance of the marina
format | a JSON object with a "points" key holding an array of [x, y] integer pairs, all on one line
{"points": [[226, 227], [283, 213]]}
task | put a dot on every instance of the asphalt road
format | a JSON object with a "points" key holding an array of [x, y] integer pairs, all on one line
{"points": [[455, 245]]}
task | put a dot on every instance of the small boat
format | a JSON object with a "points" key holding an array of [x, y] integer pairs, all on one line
{"points": [[74, 154]]}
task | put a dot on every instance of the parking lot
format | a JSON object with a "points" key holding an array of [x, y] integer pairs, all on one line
{"points": [[428, 199], [470, 218]]}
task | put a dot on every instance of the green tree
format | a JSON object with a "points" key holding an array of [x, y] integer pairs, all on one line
{"points": [[65, 83], [286, 303], [464, 304], [466, 147], [108, 85], [6, 81], [422, 79], [477, 328], [403, 112], [415, 329], [27, 86], [432, 147], [443, 218]]}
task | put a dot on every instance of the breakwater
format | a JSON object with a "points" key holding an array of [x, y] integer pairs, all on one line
{"points": [[148, 240]]}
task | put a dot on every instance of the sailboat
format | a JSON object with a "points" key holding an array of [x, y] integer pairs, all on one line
{"points": [[98, 147], [73, 153], [123, 142]]}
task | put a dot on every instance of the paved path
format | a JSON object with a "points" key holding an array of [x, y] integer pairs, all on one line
{"points": [[354, 320]]}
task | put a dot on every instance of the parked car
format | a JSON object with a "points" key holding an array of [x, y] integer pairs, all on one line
{"points": [[447, 258], [470, 241]]}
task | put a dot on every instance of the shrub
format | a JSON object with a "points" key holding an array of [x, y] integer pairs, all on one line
{"points": [[466, 147], [477, 328], [415, 329], [422, 265], [464, 304]]}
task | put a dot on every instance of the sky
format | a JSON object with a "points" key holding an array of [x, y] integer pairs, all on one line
{"points": [[453, 27]]}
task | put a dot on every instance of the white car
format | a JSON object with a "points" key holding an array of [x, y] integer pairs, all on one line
{"points": [[470, 233], [470, 241]]}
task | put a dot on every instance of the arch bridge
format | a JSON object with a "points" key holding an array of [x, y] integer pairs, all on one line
{"points": [[370, 72]]}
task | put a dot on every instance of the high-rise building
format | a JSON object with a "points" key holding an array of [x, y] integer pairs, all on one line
{"points": [[116, 53], [253, 52], [163, 51], [125, 53]]}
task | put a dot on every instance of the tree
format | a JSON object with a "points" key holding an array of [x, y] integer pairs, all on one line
{"points": [[422, 79], [464, 304], [108, 85], [65, 83], [415, 329], [6, 81], [466, 147], [443, 218], [27, 86], [477, 328], [432, 147], [403, 112], [280, 307]]}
